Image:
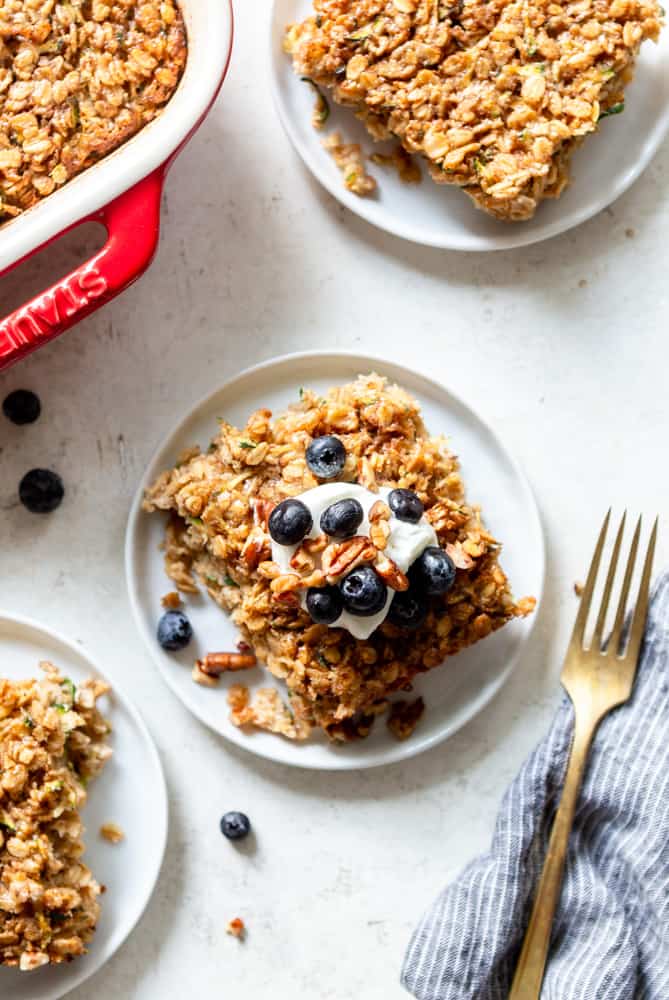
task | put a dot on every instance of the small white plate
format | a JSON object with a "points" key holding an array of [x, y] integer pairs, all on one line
{"points": [[442, 216], [130, 791], [453, 692]]}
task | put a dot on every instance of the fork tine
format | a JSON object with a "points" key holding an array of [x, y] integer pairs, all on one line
{"points": [[641, 610], [616, 632], [586, 596], [606, 596]]}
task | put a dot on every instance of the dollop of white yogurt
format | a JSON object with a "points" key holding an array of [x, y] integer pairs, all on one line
{"points": [[405, 544]]}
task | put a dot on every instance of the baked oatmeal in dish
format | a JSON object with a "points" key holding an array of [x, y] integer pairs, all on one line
{"points": [[76, 81], [338, 537], [494, 94], [53, 741]]}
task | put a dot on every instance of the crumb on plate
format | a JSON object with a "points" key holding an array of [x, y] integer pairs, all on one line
{"points": [[404, 717], [349, 158], [112, 832], [406, 166]]}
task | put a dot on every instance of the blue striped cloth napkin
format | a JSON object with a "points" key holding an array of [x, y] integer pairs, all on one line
{"points": [[611, 933]]}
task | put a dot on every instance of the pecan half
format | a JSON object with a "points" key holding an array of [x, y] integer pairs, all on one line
{"points": [[341, 557], [391, 574], [215, 664]]}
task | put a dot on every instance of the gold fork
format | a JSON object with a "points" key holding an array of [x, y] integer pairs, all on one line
{"points": [[597, 678]]}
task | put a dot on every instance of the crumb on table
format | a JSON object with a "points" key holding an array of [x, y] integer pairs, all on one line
{"points": [[236, 927]]}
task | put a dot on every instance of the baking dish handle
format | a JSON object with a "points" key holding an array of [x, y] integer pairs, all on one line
{"points": [[132, 222]]}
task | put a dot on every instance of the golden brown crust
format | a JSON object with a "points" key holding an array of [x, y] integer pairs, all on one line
{"points": [[495, 94], [77, 81], [334, 680]]}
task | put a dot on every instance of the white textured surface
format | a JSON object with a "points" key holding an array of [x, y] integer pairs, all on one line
{"points": [[563, 348]]}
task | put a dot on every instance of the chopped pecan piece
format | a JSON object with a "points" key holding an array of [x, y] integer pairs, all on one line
{"points": [[215, 664], [171, 601], [379, 532], [256, 548], [302, 560], [236, 927], [261, 512], [379, 511], [342, 557], [391, 574], [315, 545]]}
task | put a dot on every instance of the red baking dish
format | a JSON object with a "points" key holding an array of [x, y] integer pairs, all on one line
{"points": [[122, 192]]}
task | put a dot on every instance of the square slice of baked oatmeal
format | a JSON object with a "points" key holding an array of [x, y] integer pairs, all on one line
{"points": [[220, 504], [53, 740], [495, 94]]}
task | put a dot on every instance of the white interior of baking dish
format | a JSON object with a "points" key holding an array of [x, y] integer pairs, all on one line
{"points": [[209, 28]]}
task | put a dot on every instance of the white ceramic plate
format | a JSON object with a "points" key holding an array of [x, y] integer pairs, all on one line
{"points": [[130, 791], [454, 692], [441, 216]]}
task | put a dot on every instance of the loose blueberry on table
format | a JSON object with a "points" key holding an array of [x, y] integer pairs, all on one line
{"points": [[235, 825], [363, 591], [433, 571], [22, 407], [406, 505], [174, 630], [289, 522], [326, 457], [342, 519], [324, 604], [41, 491]]}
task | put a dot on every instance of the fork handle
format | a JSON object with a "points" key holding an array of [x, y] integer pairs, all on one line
{"points": [[532, 962]]}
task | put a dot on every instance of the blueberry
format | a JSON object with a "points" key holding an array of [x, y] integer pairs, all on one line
{"points": [[342, 519], [41, 491], [433, 571], [289, 522], [235, 826], [326, 457], [405, 505], [22, 407], [174, 630], [409, 609], [363, 591], [325, 604]]}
